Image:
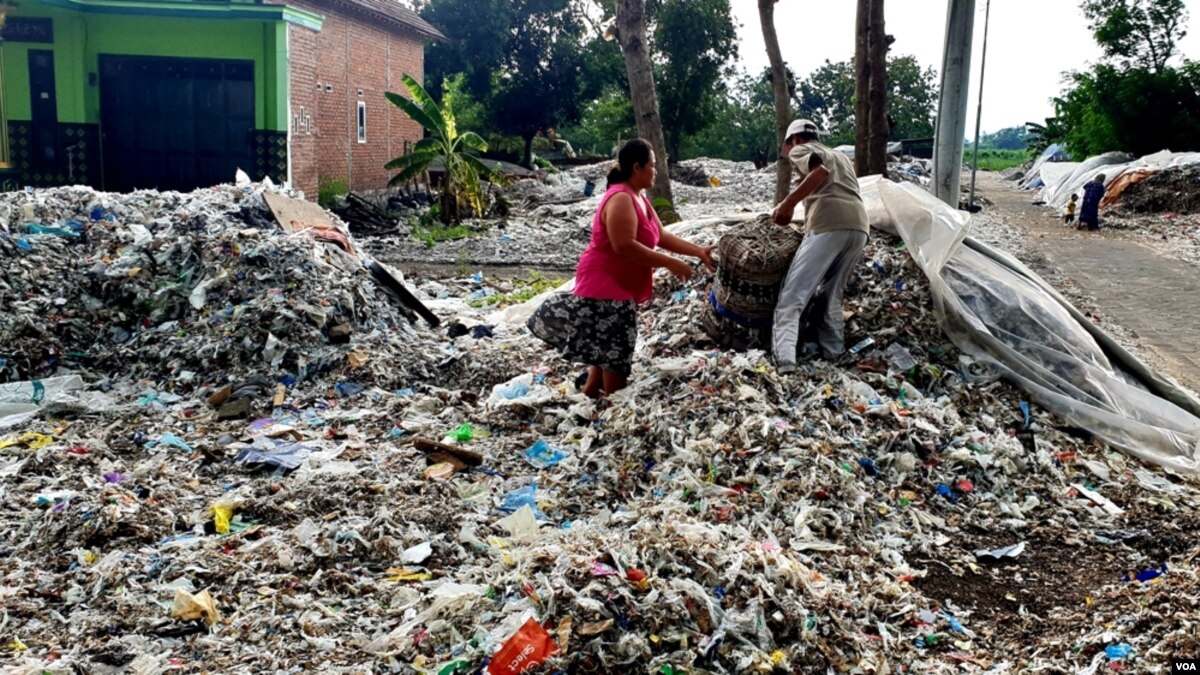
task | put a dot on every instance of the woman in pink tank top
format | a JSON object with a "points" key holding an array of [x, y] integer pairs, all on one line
{"points": [[597, 323]]}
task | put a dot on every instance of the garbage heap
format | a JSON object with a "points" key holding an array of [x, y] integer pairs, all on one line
{"points": [[877, 514], [185, 289]]}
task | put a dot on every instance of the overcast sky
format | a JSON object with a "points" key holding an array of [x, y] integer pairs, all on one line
{"points": [[1030, 44]]}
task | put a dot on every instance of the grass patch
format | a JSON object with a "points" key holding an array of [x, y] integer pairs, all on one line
{"points": [[538, 283], [432, 236], [328, 191], [998, 160]]}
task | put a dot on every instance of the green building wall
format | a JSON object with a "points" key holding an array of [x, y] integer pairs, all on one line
{"points": [[79, 40]]}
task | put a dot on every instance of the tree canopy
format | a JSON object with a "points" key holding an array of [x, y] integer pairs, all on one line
{"points": [[827, 97], [1136, 99], [522, 59]]}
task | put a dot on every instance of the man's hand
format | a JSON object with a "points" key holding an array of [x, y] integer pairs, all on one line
{"points": [[706, 257], [783, 213], [680, 269]]}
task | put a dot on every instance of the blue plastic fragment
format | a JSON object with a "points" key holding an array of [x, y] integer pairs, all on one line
{"points": [[526, 496], [868, 465], [172, 440], [1118, 652], [543, 456], [945, 491]]}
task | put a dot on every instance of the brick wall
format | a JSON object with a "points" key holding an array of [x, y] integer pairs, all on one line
{"points": [[302, 90], [351, 54]]}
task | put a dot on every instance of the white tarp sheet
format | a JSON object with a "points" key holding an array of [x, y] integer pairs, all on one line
{"points": [[1060, 184]]}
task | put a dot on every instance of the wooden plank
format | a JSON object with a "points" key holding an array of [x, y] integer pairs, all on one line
{"points": [[294, 215], [463, 455]]}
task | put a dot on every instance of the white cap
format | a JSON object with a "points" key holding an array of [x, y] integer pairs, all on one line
{"points": [[802, 127]]}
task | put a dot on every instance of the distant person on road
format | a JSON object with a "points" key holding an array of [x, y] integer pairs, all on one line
{"points": [[835, 233], [1069, 213], [597, 323], [1089, 213]]}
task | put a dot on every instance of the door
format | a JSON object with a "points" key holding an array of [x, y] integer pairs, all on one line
{"points": [[44, 111], [174, 123]]}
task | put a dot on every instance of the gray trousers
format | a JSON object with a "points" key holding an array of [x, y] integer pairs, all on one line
{"points": [[824, 262]]}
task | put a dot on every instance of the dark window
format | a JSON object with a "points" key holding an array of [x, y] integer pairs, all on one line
{"points": [[362, 121]]}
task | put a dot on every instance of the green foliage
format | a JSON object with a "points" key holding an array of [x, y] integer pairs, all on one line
{"points": [[1132, 109], [743, 124], [694, 42], [429, 229], [607, 122], [1137, 33], [537, 284], [329, 190], [1135, 100], [1012, 138], [521, 59], [464, 173], [997, 160], [827, 97], [912, 100]]}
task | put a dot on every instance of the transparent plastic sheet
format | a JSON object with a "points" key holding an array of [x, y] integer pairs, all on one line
{"points": [[1009, 322], [1035, 170]]}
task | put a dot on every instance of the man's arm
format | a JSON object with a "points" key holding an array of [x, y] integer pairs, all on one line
{"points": [[817, 176]]}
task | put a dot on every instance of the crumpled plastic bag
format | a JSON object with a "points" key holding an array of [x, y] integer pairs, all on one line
{"points": [[188, 607], [527, 649]]}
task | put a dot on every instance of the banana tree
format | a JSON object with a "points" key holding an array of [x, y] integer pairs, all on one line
{"points": [[464, 172]]}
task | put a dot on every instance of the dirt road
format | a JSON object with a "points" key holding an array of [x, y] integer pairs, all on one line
{"points": [[1156, 299]]}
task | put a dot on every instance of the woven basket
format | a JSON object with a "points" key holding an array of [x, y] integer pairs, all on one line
{"points": [[754, 262], [729, 334]]}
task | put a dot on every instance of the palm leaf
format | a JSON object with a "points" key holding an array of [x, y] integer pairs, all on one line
{"points": [[479, 167], [419, 115], [411, 159], [428, 145], [473, 141], [423, 99], [408, 174]]}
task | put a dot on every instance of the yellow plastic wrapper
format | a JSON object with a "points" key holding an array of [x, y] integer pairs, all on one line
{"points": [[400, 574], [30, 440], [222, 514]]}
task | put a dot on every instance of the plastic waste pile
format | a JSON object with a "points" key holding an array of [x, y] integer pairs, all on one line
{"points": [[183, 290], [711, 518], [901, 509], [1059, 180]]}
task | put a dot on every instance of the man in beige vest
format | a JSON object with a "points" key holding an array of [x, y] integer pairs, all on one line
{"points": [[835, 233]]}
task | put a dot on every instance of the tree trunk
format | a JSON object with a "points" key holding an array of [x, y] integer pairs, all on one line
{"points": [[783, 170], [527, 158], [631, 35], [878, 131], [862, 87]]}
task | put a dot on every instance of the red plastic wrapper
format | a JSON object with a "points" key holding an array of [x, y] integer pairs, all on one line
{"points": [[528, 648]]}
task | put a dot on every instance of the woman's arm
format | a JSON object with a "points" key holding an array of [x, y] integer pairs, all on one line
{"points": [[621, 222], [677, 244]]}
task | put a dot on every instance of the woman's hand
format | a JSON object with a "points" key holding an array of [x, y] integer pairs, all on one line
{"points": [[706, 256], [680, 269]]}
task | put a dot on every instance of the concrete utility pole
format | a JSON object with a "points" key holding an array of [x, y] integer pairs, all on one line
{"points": [[987, 17], [952, 104]]}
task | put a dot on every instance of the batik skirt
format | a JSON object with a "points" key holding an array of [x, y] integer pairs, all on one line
{"points": [[594, 332]]}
